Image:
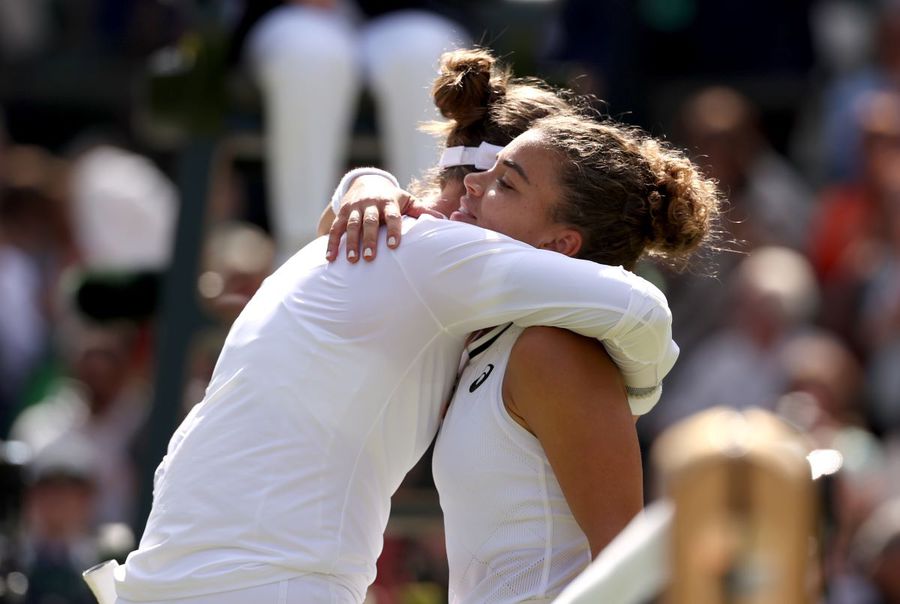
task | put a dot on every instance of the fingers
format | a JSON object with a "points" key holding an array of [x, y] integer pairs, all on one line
{"points": [[361, 219], [371, 221], [393, 220], [354, 223], [338, 228]]}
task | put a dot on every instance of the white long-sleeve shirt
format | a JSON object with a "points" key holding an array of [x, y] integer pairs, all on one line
{"points": [[330, 387]]}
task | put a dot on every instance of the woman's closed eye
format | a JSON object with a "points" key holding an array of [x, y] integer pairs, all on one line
{"points": [[501, 181]]}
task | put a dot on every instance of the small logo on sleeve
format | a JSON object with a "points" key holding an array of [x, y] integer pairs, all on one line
{"points": [[481, 378]]}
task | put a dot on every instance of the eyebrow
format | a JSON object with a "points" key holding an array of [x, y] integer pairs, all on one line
{"points": [[510, 163]]}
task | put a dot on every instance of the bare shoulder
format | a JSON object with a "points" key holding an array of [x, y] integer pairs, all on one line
{"points": [[549, 350], [550, 367]]}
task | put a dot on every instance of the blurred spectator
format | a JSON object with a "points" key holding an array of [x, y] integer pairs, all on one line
{"points": [[878, 268], [842, 35], [880, 320], [35, 245], [824, 400], [237, 257], [58, 540], [824, 393], [770, 203], [123, 209], [23, 324], [310, 58], [24, 28], [842, 43], [102, 402], [3, 144], [876, 556], [772, 296], [843, 134], [852, 230]]}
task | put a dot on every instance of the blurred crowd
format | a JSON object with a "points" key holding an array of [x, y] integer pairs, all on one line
{"points": [[794, 108]]}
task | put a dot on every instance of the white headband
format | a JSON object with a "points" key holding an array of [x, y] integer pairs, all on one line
{"points": [[482, 156]]}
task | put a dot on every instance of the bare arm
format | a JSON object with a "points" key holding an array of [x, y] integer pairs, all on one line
{"points": [[566, 391]]}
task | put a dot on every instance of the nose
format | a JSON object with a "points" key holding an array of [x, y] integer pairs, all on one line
{"points": [[473, 184]]}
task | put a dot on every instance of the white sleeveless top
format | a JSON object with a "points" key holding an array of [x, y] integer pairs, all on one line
{"points": [[511, 536]]}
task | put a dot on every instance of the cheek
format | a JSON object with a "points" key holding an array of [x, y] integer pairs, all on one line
{"points": [[514, 211], [503, 219], [493, 210]]}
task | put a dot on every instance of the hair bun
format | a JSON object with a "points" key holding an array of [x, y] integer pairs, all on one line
{"points": [[467, 84], [679, 212]]}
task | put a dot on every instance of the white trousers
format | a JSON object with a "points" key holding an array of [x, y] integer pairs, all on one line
{"points": [[310, 65], [300, 590]]}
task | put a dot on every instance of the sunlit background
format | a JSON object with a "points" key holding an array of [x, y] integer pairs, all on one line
{"points": [[145, 194]]}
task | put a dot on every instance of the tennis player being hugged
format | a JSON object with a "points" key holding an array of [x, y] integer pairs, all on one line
{"points": [[537, 461]]}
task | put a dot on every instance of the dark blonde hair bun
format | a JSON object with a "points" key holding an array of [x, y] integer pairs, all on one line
{"points": [[463, 89], [483, 103], [470, 81]]}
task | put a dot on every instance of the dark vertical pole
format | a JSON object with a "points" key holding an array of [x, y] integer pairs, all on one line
{"points": [[179, 316]]}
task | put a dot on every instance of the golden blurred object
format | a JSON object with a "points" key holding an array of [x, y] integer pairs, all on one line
{"points": [[744, 509]]}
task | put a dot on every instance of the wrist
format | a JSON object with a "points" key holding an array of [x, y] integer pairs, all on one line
{"points": [[350, 177]]}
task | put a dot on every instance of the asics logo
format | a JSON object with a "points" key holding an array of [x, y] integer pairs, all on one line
{"points": [[481, 378]]}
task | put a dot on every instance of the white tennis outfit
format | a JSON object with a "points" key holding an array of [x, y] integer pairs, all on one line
{"points": [[511, 536], [330, 387]]}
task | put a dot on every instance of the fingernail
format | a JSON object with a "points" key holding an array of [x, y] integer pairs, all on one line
{"points": [[392, 241], [351, 254], [368, 253]]}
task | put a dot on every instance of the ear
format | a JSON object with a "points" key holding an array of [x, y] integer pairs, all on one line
{"points": [[567, 241]]}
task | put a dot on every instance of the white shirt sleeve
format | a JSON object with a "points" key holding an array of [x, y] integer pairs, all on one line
{"points": [[471, 278]]}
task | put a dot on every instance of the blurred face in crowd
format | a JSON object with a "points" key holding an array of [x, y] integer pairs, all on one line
{"points": [[102, 366], [59, 508], [237, 259], [719, 124], [880, 117], [889, 39]]}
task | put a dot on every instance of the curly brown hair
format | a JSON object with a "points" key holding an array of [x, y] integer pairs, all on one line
{"points": [[629, 194]]}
